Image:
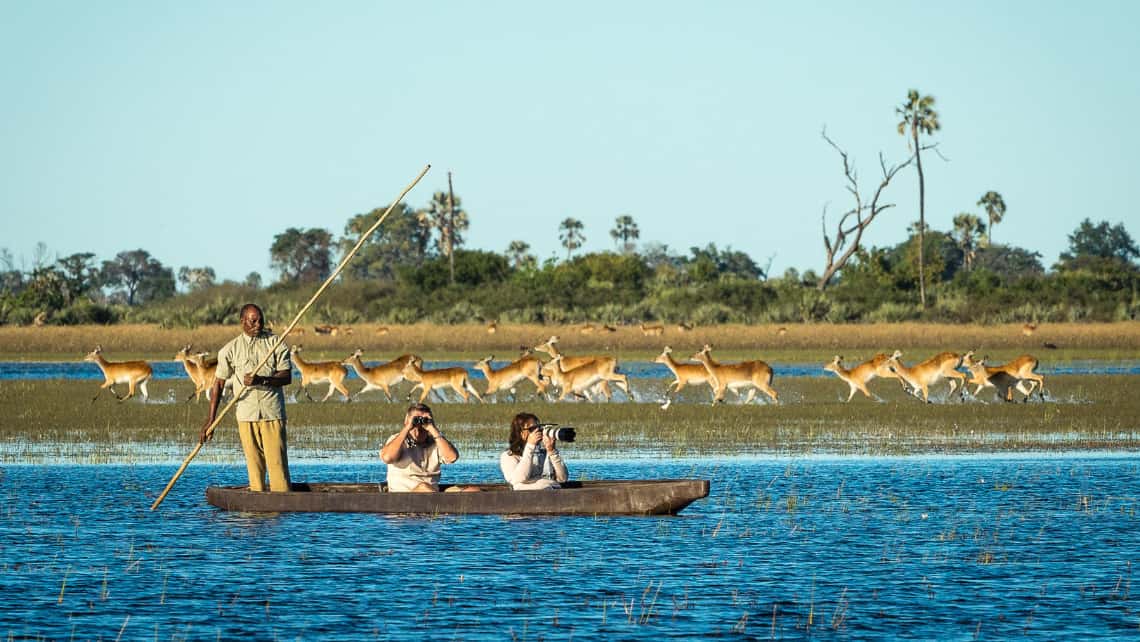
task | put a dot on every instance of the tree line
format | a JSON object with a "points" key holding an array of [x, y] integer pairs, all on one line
{"points": [[416, 267]]}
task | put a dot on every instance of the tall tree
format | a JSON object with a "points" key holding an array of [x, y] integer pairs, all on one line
{"points": [[302, 256], [519, 254], [446, 214], [855, 220], [402, 241], [196, 278], [141, 277], [1099, 246], [570, 233], [967, 230], [919, 117], [995, 210], [624, 233], [80, 275]]}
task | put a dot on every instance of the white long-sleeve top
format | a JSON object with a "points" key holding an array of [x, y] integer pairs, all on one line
{"points": [[534, 470]]}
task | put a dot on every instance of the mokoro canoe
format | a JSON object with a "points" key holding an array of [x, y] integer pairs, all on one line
{"points": [[617, 497]]}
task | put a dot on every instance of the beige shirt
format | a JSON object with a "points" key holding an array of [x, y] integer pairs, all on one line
{"points": [[416, 464], [238, 358]]}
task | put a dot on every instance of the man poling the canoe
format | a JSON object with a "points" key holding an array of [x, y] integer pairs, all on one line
{"points": [[208, 430]]}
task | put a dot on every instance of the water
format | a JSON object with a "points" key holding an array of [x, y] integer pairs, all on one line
{"points": [[82, 370], [849, 548]]}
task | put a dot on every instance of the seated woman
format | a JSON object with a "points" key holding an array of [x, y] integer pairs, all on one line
{"points": [[532, 460]]}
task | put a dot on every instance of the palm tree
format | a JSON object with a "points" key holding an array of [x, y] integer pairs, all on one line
{"points": [[919, 116], [625, 231], [519, 254], [967, 229], [995, 209], [445, 214], [570, 233]]}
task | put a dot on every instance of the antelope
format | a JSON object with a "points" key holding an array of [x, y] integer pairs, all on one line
{"points": [[382, 330], [578, 381], [132, 373], [200, 369], [652, 330], [684, 327], [550, 369], [429, 380], [381, 377], [492, 327], [586, 328], [505, 378], [1028, 329], [754, 375], [320, 372], [330, 330], [685, 373], [925, 374], [1018, 373], [860, 375], [608, 328], [296, 332]]}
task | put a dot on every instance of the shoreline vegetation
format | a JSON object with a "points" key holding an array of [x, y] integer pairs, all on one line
{"points": [[1054, 342], [56, 421]]}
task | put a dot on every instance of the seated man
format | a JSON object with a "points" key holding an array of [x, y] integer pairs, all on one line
{"points": [[415, 454]]}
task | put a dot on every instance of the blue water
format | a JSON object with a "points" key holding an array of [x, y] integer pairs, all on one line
{"points": [[635, 369], [919, 548]]}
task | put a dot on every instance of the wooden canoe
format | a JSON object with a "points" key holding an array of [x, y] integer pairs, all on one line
{"points": [[618, 497]]}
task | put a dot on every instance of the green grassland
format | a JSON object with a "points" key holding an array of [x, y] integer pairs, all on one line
{"points": [[57, 421]]}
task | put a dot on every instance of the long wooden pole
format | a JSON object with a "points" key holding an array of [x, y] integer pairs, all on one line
{"points": [[281, 337]]}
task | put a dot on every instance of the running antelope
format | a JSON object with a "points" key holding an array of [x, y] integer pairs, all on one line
{"points": [[429, 380], [313, 372], [580, 380], [505, 378], [859, 376], [132, 373], [551, 371], [685, 373], [201, 370], [753, 375], [921, 376], [382, 377], [1019, 373]]}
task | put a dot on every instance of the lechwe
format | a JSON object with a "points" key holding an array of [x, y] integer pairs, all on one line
{"points": [[921, 376], [382, 377], [551, 371], [505, 378], [578, 381], [859, 376], [686, 374], [133, 373], [1019, 373], [200, 368], [750, 375], [428, 380], [313, 372]]}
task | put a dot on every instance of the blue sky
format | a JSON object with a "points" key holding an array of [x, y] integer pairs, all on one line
{"points": [[199, 130]]}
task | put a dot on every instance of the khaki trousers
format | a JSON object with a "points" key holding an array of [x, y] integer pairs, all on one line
{"points": [[265, 451]]}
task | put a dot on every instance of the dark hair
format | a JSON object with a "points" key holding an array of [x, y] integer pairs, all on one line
{"points": [[516, 442], [422, 407]]}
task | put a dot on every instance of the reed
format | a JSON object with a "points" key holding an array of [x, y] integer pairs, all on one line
{"points": [[55, 420], [807, 342]]}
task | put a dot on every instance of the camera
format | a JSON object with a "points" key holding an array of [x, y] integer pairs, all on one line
{"points": [[557, 433], [420, 420]]}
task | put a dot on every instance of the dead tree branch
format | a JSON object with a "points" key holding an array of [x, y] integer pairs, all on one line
{"points": [[853, 222]]}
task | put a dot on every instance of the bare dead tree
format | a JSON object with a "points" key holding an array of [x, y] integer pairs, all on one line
{"points": [[849, 230]]}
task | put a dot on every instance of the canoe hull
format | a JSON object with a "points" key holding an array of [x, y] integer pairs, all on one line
{"points": [[640, 497]]}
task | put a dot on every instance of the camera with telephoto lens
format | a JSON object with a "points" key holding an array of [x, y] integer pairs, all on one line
{"points": [[556, 432], [420, 420]]}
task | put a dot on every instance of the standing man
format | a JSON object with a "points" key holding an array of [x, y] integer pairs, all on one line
{"points": [[260, 399]]}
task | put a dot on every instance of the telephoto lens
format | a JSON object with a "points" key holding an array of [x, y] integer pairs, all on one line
{"points": [[558, 433]]}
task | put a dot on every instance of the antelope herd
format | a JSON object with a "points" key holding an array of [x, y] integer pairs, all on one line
{"points": [[590, 377]]}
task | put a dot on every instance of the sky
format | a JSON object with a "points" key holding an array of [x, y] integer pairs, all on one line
{"points": [[199, 130]]}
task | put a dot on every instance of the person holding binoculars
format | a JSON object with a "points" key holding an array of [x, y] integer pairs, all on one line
{"points": [[532, 460], [415, 454]]}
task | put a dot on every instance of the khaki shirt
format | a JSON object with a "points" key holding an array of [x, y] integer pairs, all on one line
{"points": [[416, 464], [238, 358]]}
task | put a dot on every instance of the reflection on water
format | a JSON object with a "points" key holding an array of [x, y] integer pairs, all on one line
{"points": [[930, 548]]}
